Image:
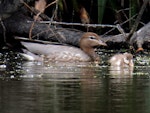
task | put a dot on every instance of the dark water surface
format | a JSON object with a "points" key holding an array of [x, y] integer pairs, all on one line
{"points": [[34, 87]]}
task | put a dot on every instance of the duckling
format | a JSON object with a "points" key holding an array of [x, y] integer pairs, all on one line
{"points": [[65, 53], [122, 60]]}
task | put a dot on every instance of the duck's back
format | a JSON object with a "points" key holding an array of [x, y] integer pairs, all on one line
{"points": [[57, 52]]}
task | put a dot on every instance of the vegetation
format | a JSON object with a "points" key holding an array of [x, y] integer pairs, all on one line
{"points": [[123, 12]]}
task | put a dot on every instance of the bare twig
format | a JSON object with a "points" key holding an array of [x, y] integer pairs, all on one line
{"points": [[121, 30], [25, 4], [85, 25], [55, 12], [33, 10], [119, 26], [36, 17], [77, 24], [51, 3], [4, 29]]}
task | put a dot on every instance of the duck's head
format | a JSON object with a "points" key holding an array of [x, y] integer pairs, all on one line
{"points": [[128, 59], [88, 42]]}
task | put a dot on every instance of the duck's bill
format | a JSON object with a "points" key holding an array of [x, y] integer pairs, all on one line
{"points": [[102, 43]]}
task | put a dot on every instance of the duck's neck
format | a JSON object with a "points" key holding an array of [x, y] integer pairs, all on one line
{"points": [[93, 55]]}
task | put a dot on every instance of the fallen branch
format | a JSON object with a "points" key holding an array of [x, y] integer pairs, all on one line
{"points": [[85, 25], [76, 24]]}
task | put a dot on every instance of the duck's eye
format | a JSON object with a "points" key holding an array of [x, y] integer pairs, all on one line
{"points": [[92, 37]]}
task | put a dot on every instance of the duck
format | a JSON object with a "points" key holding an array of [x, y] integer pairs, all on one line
{"points": [[122, 60], [66, 53]]}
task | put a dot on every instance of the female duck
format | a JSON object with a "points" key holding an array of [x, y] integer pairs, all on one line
{"points": [[65, 53]]}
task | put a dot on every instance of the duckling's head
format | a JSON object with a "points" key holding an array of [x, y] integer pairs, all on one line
{"points": [[88, 42], [128, 59], [122, 60]]}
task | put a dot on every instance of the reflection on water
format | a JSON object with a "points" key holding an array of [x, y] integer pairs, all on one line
{"points": [[33, 87], [122, 72]]}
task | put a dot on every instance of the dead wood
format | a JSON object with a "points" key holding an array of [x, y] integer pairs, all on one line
{"points": [[140, 39], [19, 25]]}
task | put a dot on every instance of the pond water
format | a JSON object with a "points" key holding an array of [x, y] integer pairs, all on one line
{"points": [[35, 87]]}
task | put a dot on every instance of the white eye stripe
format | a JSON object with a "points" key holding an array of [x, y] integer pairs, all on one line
{"points": [[92, 37]]}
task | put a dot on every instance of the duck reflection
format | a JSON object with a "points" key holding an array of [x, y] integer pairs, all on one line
{"points": [[71, 87], [121, 72], [58, 70]]}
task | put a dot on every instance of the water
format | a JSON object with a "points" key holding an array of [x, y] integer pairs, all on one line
{"points": [[34, 87]]}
